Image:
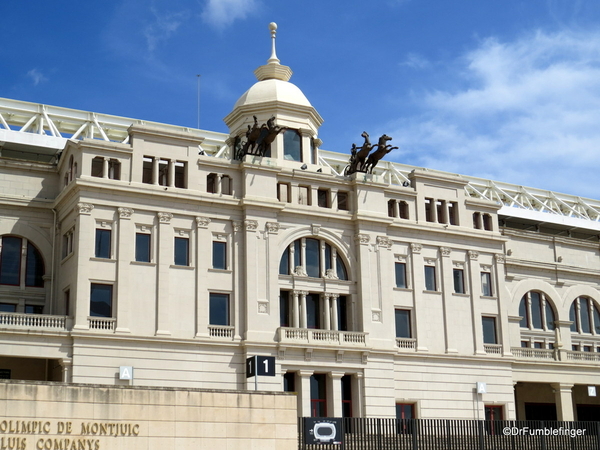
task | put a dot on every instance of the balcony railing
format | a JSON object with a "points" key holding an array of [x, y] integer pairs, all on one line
{"points": [[533, 353], [219, 331], [33, 321], [493, 349], [322, 337], [102, 323], [406, 343], [583, 356]]}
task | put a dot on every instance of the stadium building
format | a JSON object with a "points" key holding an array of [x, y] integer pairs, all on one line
{"points": [[178, 253]]}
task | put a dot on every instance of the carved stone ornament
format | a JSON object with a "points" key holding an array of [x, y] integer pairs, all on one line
{"points": [[445, 251], [164, 217], [300, 272], [272, 227], [263, 307], [416, 248], [363, 238], [430, 262], [339, 356], [315, 229], [500, 258], [400, 258], [308, 354], [84, 208], [473, 254], [330, 273], [251, 225], [237, 225], [376, 316], [202, 222], [125, 213], [384, 241]]}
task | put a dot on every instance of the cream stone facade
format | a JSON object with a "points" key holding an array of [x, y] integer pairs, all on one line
{"points": [[389, 294]]}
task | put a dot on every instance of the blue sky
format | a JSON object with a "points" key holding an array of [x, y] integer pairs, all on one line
{"points": [[500, 89]]}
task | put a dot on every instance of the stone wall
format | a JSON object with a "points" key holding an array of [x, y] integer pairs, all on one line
{"points": [[54, 416]]}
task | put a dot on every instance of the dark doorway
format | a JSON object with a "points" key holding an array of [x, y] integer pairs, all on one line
{"points": [[540, 411], [588, 413]]}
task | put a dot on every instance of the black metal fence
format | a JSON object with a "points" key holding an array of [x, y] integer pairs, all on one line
{"points": [[429, 434]]}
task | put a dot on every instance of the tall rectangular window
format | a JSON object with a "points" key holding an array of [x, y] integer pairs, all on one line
{"points": [[101, 300], [284, 309], [346, 382], [486, 284], [180, 174], [147, 170], [313, 311], [226, 182], [182, 251], [102, 243], [430, 283], [489, 330], [283, 192], [453, 213], [114, 169], [10, 260], [318, 395], [218, 309], [323, 198], [459, 281], [303, 195], [342, 313], [289, 382], [403, 326], [405, 412], [219, 256], [429, 209], [342, 201], [211, 183], [142, 247], [400, 275], [163, 172], [403, 209], [98, 166]]}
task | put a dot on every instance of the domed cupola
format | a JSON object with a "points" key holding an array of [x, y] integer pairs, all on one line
{"points": [[274, 118]]}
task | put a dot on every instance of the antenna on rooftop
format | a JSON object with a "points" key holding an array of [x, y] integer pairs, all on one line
{"points": [[198, 75]]}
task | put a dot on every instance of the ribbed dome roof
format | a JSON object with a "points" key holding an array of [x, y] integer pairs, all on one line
{"points": [[272, 90]]}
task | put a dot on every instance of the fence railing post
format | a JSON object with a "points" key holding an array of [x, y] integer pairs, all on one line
{"points": [[415, 442], [480, 432], [542, 437]]}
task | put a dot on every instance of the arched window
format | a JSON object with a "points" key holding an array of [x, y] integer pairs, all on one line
{"points": [[585, 316], [292, 145], [313, 258], [14, 271], [536, 312]]}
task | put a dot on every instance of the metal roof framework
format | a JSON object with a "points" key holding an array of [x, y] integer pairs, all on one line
{"points": [[50, 127]]}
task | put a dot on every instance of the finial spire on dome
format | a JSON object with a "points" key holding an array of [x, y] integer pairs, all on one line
{"points": [[273, 70], [273, 59]]}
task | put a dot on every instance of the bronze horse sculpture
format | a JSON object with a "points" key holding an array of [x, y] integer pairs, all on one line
{"points": [[361, 160], [382, 149]]}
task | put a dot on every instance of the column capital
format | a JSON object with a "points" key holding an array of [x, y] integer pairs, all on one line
{"points": [[202, 222], [164, 217], [84, 208], [125, 213]]}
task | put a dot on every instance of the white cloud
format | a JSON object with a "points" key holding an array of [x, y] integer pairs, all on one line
{"points": [[36, 76], [222, 13], [163, 26], [528, 113], [415, 61]]}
